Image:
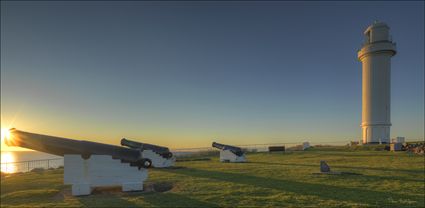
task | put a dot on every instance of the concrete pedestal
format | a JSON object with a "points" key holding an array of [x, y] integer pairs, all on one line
{"points": [[132, 186], [101, 170], [228, 156], [79, 189], [157, 160]]}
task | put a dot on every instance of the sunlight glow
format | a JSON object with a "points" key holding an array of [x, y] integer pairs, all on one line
{"points": [[7, 160], [5, 133]]}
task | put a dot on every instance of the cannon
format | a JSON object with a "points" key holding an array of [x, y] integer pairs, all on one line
{"points": [[63, 146], [89, 164], [160, 157], [163, 151], [230, 153]]}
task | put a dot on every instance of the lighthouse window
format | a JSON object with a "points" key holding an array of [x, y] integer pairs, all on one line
{"points": [[368, 39]]}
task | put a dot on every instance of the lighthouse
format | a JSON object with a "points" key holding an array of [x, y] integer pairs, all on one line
{"points": [[375, 56]]}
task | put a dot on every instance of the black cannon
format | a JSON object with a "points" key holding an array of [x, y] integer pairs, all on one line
{"points": [[163, 151], [235, 150], [62, 146]]}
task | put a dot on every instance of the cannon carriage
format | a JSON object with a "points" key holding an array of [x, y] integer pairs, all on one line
{"points": [[230, 153], [89, 164], [160, 157]]}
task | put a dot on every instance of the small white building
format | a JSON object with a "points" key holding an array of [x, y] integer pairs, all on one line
{"points": [[306, 145], [398, 140]]}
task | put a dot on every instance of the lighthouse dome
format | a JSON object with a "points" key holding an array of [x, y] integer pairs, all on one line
{"points": [[377, 32]]}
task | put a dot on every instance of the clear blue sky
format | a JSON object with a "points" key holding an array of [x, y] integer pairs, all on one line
{"points": [[184, 73]]}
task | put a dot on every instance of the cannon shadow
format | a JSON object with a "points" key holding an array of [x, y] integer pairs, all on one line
{"points": [[319, 190], [174, 200], [342, 166], [108, 200], [113, 197]]}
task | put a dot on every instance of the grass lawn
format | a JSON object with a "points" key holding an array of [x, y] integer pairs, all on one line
{"points": [[268, 180]]}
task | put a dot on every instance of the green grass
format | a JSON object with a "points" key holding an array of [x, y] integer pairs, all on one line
{"points": [[268, 180]]}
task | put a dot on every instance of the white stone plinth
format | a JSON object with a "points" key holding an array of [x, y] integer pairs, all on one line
{"points": [[228, 156], [132, 186], [157, 160], [101, 170], [80, 189]]}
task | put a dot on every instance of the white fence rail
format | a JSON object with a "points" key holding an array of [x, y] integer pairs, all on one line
{"points": [[26, 166]]}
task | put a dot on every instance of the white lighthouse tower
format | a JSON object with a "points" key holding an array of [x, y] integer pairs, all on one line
{"points": [[375, 56]]}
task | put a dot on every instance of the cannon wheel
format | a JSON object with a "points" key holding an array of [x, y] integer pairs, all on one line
{"points": [[168, 155], [146, 163], [85, 156]]}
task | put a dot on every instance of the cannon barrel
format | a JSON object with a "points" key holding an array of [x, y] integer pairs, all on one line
{"points": [[62, 146], [163, 151], [236, 150]]}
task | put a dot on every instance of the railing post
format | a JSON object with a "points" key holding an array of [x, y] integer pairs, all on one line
{"points": [[48, 164], [28, 166]]}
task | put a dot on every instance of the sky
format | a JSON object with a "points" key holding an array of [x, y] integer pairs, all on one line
{"points": [[184, 74]]}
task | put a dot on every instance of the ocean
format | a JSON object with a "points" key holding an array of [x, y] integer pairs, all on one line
{"points": [[23, 161]]}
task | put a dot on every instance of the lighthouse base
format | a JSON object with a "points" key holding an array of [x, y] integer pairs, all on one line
{"points": [[376, 134]]}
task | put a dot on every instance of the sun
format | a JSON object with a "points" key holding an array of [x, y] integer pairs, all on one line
{"points": [[5, 133]]}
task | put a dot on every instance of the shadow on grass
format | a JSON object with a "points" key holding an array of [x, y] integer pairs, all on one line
{"points": [[368, 177], [320, 190], [342, 166], [174, 200], [383, 169], [392, 178], [28, 196], [116, 198], [107, 200], [353, 154]]}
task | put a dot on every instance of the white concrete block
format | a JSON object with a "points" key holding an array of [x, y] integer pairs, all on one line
{"points": [[157, 160], [101, 170], [81, 189], [229, 156], [132, 186], [398, 140]]}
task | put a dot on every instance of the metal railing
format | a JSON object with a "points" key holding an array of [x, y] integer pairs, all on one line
{"points": [[26, 166], [252, 147]]}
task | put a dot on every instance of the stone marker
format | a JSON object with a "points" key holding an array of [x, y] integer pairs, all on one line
{"points": [[324, 168]]}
